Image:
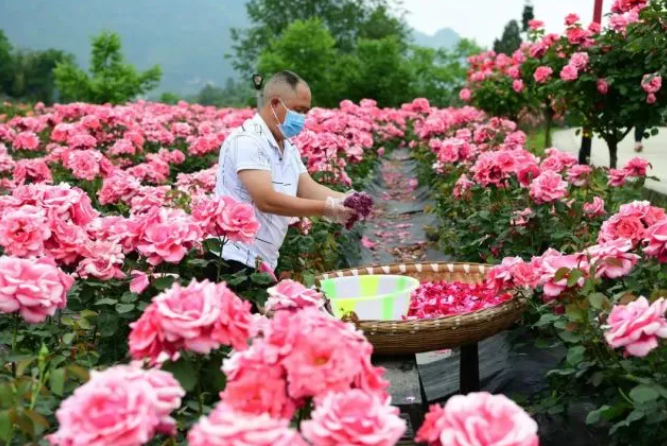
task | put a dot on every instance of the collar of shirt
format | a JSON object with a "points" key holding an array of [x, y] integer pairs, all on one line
{"points": [[287, 144]]}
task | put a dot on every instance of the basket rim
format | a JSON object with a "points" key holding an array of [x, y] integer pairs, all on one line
{"points": [[393, 268]]}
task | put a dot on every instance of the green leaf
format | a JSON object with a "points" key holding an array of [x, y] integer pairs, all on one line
{"points": [[569, 336], [22, 366], [68, 338], [546, 319], [5, 425], [212, 245], [574, 277], [184, 372], [79, 372], [129, 297], [261, 279], [561, 274], [594, 417], [37, 418], [57, 381], [643, 394], [163, 283], [599, 301], [575, 355], [106, 301], [124, 308]]}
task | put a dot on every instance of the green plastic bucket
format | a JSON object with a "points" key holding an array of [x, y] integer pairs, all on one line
{"points": [[379, 297]]}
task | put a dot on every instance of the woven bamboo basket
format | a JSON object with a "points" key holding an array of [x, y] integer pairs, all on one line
{"points": [[407, 337]]}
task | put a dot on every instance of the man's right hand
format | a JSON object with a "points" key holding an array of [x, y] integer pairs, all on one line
{"points": [[335, 212]]}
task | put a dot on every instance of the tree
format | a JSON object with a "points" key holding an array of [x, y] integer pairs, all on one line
{"points": [[34, 78], [511, 39], [233, 94], [343, 19], [378, 71], [111, 79], [307, 48], [527, 16], [6, 64], [439, 74]]}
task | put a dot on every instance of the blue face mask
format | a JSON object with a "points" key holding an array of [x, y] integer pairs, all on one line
{"points": [[293, 123]]}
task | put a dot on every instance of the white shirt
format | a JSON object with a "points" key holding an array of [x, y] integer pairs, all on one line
{"points": [[253, 147]]}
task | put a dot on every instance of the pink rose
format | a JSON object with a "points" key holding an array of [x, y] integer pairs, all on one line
{"points": [[479, 419], [225, 426], [550, 265], [291, 295], [612, 259], [26, 141], [200, 317], [655, 241], [500, 277], [651, 99], [578, 175], [652, 83], [630, 228], [238, 221], [33, 287], [637, 326], [353, 417], [102, 260], [595, 209], [527, 174], [542, 74], [463, 184], [167, 236], [536, 24], [322, 354], [571, 19], [123, 405], [514, 72], [465, 95], [34, 170], [569, 73], [23, 231], [603, 86], [139, 282], [517, 85], [637, 167], [548, 187], [617, 177], [256, 385], [579, 61]]}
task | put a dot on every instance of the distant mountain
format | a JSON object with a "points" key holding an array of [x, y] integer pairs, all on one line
{"points": [[446, 37], [187, 38]]}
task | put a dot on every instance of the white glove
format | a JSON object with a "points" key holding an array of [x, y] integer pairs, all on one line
{"points": [[335, 212]]}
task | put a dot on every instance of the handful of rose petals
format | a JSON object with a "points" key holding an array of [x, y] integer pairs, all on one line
{"points": [[439, 299], [360, 202]]}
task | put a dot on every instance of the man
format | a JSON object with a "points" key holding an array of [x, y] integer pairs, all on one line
{"points": [[260, 166]]}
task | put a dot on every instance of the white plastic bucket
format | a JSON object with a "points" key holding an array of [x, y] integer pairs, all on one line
{"points": [[373, 297]]}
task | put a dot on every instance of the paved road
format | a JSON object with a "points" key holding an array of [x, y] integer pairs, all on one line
{"points": [[655, 151]]}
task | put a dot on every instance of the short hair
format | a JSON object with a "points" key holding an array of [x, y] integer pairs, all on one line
{"points": [[281, 83]]}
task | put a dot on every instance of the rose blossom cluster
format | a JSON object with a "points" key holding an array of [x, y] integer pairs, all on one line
{"points": [[292, 295], [637, 326], [611, 259], [121, 405], [479, 419], [301, 356], [200, 318], [34, 288]]}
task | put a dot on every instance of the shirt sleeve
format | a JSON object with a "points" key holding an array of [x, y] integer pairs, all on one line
{"points": [[250, 154]]}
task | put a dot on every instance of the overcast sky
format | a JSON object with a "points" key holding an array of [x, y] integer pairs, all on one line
{"points": [[484, 20]]}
